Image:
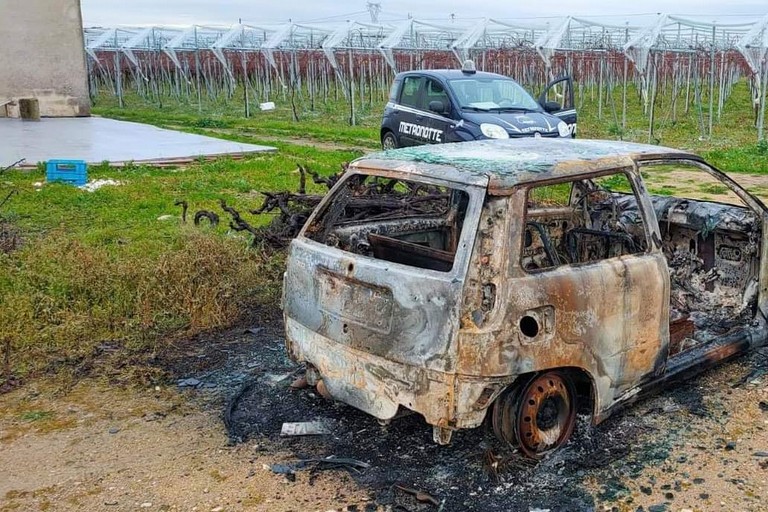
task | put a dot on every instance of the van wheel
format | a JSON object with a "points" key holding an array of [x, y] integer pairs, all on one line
{"points": [[537, 416], [388, 141]]}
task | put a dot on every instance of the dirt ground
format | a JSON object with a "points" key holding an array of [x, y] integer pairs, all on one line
{"points": [[209, 444], [698, 185]]}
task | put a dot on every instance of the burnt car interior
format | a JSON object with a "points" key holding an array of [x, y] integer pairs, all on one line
{"points": [[395, 220], [712, 248], [713, 252], [576, 222]]}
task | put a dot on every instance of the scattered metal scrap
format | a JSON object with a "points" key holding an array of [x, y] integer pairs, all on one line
{"points": [[184, 206], [330, 462], [292, 210], [212, 217], [304, 428], [376, 199], [421, 496], [234, 437]]}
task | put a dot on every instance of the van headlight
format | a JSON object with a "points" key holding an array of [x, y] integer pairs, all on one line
{"points": [[493, 131], [563, 129]]}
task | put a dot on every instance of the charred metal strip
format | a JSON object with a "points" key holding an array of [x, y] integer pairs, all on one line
{"points": [[551, 253], [688, 364]]}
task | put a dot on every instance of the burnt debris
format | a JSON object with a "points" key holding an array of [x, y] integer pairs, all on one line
{"points": [[380, 199], [291, 209]]}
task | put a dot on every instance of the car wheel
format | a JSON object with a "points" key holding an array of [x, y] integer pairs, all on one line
{"points": [[537, 416], [388, 141]]}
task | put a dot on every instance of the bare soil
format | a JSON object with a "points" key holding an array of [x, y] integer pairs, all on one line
{"points": [[698, 185], [701, 445]]}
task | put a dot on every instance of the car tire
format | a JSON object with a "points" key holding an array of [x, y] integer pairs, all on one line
{"points": [[537, 416], [389, 141]]}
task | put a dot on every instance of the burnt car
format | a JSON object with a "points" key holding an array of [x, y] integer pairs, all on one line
{"points": [[523, 281], [450, 105]]}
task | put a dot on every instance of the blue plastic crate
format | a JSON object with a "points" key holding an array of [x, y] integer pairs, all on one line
{"points": [[69, 171]]}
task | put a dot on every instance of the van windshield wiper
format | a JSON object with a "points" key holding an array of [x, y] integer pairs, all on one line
{"points": [[499, 109], [514, 109]]}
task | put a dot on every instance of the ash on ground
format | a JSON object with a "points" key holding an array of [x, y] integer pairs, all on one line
{"points": [[251, 373]]}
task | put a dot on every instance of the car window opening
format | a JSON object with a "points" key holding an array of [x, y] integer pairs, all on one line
{"points": [[577, 222], [400, 221]]}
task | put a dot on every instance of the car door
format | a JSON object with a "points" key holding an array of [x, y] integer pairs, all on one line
{"points": [[408, 115], [607, 301], [560, 92], [437, 108]]}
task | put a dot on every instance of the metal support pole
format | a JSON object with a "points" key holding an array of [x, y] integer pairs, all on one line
{"points": [[352, 119], [652, 81], [624, 86], [712, 82], [119, 80], [245, 85], [763, 97], [600, 87]]}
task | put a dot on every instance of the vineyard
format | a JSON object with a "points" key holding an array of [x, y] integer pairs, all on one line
{"points": [[670, 66]]}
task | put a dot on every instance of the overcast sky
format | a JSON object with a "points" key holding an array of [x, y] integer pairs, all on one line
{"points": [[227, 12]]}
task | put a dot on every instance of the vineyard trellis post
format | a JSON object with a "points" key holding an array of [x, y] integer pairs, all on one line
{"points": [[671, 60]]}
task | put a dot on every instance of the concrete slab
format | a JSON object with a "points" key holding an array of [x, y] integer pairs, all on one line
{"points": [[96, 139]]}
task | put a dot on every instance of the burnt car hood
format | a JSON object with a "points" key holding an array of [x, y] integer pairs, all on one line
{"points": [[517, 123]]}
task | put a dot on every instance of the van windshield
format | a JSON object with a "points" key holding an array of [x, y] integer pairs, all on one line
{"points": [[492, 94]]}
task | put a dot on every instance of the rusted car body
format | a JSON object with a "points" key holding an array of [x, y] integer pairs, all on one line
{"points": [[435, 279]]}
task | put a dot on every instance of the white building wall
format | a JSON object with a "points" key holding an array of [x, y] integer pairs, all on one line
{"points": [[42, 56]]}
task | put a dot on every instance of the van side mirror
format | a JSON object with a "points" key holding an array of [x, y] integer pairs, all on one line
{"points": [[437, 106], [551, 106]]}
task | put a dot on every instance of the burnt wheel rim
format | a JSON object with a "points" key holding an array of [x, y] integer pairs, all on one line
{"points": [[546, 414]]}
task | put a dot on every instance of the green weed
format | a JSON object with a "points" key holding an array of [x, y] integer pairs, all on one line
{"points": [[31, 416], [712, 188], [98, 273]]}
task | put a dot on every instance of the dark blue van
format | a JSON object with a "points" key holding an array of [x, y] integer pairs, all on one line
{"points": [[448, 105]]}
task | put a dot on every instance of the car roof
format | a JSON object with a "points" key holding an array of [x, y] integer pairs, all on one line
{"points": [[505, 163], [452, 73]]}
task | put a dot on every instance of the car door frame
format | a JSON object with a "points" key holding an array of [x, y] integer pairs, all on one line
{"points": [[445, 122], [621, 342], [567, 114]]}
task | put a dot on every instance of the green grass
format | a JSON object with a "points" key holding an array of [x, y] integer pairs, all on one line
{"points": [[733, 146], [98, 273], [662, 191], [31, 416], [328, 123], [712, 188], [549, 195]]}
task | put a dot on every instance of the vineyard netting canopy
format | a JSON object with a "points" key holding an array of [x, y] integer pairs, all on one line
{"points": [[693, 57]]}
